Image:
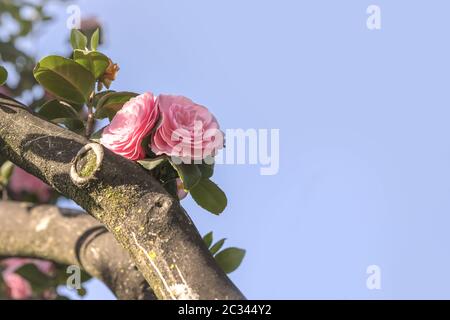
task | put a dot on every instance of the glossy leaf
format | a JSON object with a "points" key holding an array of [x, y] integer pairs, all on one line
{"points": [[209, 196], [208, 239], [75, 125], [38, 280], [78, 40], [54, 109], [65, 78], [111, 103], [100, 95], [217, 246], [190, 174], [230, 259], [95, 39], [3, 75], [96, 136], [78, 107], [84, 276], [207, 170], [94, 61], [150, 164]]}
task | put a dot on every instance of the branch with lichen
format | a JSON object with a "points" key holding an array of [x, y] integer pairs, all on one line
{"points": [[70, 237], [148, 222]]}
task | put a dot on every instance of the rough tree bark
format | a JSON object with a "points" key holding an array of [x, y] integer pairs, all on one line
{"points": [[143, 217], [72, 238]]}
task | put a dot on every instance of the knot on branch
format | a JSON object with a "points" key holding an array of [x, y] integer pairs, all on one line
{"points": [[86, 163]]}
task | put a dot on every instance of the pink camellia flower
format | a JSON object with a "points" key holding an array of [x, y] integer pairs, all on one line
{"points": [[187, 130], [46, 267], [17, 286], [23, 182], [130, 126], [12, 264]]}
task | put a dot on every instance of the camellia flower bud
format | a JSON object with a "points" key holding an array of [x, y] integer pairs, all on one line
{"points": [[110, 74]]}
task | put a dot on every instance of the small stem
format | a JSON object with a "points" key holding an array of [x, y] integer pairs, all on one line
{"points": [[90, 122], [90, 118], [4, 192]]}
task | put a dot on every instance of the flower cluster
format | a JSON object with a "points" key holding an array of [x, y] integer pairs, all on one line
{"points": [[170, 129], [171, 136], [177, 127]]}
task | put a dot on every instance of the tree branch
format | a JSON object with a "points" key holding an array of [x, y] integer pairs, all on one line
{"points": [[72, 238], [143, 217]]}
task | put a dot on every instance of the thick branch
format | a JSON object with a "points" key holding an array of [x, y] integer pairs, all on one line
{"points": [[72, 238], [143, 217]]}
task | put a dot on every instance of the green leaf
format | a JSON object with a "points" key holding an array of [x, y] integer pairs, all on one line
{"points": [[189, 173], [60, 112], [60, 275], [207, 170], [3, 75], [75, 125], [38, 280], [6, 171], [78, 107], [55, 109], [230, 259], [111, 103], [208, 239], [150, 164], [65, 78], [84, 276], [215, 248], [78, 40], [96, 136], [100, 95], [94, 61], [95, 39], [209, 196]]}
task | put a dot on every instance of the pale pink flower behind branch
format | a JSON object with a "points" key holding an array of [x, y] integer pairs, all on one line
{"points": [[17, 286], [23, 182]]}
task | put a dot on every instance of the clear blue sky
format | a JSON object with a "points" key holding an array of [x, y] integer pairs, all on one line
{"points": [[364, 124]]}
